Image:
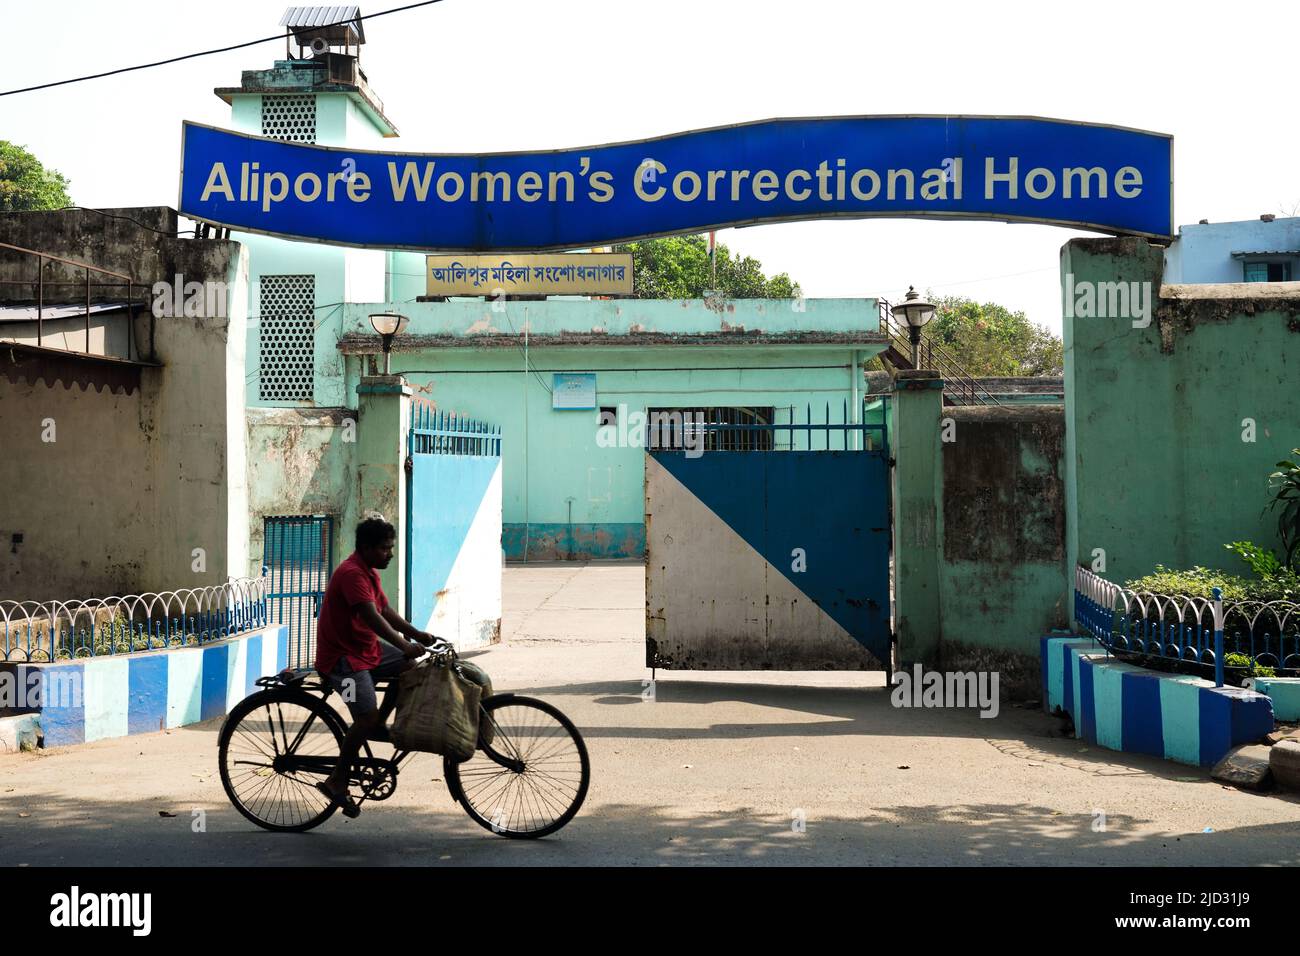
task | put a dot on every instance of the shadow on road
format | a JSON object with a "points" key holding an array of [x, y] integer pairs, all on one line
{"points": [[865, 712], [109, 833]]}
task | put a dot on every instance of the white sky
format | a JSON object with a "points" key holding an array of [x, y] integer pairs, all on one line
{"points": [[490, 75]]}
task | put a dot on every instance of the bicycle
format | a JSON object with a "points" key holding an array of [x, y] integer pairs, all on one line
{"points": [[527, 779]]}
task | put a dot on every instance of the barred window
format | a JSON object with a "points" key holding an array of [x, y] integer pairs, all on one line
{"points": [[287, 340], [290, 117]]}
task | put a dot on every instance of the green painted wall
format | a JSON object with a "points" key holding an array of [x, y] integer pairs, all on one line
{"points": [[979, 530], [1156, 468], [1003, 577]]}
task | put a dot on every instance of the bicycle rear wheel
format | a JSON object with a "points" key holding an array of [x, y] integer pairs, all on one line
{"points": [[275, 746], [531, 779]]}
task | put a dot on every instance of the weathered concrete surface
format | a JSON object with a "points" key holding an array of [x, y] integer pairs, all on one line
{"points": [[1246, 767], [1284, 761], [385, 420], [19, 733], [1020, 676], [108, 238], [301, 461], [150, 476], [1002, 492], [711, 772], [1003, 580], [914, 422]]}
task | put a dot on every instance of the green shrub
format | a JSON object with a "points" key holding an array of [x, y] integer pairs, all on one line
{"points": [[1241, 660], [1261, 560], [1199, 582]]}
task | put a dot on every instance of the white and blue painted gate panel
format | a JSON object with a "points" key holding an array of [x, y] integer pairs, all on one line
{"points": [[767, 560], [453, 586]]}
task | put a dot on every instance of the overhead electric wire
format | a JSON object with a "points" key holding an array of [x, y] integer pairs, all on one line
{"points": [[109, 215], [224, 49]]}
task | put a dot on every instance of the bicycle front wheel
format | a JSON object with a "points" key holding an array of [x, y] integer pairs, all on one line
{"points": [[274, 748], [531, 778]]}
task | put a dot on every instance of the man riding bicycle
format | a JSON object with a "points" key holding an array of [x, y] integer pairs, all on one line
{"points": [[361, 639]]}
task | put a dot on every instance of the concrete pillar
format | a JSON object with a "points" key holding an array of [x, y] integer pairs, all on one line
{"points": [[917, 408], [383, 418]]}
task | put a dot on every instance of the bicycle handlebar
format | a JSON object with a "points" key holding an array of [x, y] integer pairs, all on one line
{"points": [[440, 649]]}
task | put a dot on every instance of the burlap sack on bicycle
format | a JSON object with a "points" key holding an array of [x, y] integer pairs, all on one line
{"points": [[478, 675], [437, 711]]}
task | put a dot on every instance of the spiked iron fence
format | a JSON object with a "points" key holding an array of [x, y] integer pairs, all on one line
{"points": [[32, 632], [1183, 629]]}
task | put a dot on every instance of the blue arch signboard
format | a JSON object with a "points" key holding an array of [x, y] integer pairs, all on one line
{"points": [[1010, 168]]}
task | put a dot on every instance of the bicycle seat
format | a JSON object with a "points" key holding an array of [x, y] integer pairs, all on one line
{"points": [[287, 678]]}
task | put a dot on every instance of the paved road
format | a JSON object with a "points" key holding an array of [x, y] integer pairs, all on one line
{"points": [[713, 771]]}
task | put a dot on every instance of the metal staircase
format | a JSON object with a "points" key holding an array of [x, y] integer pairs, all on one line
{"points": [[959, 386]]}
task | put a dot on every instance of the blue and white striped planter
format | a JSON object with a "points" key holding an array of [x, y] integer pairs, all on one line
{"points": [[155, 690], [1123, 707]]}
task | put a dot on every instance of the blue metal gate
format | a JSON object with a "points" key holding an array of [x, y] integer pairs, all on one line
{"points": [[298, 557], [770, 559]]}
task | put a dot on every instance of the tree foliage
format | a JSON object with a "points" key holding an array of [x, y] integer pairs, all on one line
{"points": [[26, 184], [988, 339], [677, 267]]}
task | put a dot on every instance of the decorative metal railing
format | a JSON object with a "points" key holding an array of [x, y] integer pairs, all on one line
{"points": [[101, 290], [959, 386], [1181, 628], [31, 632]]}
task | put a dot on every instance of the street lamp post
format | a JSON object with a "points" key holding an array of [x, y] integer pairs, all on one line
{"points": [[916, 313], [388, 325]]}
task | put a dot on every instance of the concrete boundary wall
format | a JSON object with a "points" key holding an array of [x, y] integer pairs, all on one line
{"points": [[114, 696], [1174, 418], [1135, 710], [979, 531], [131, 485], [1003, 575]]}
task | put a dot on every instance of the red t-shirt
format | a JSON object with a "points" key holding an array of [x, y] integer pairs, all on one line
{"points": [[340, 632]]}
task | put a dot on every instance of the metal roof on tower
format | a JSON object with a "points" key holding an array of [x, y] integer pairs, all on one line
{"points": [[337, 24]]}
